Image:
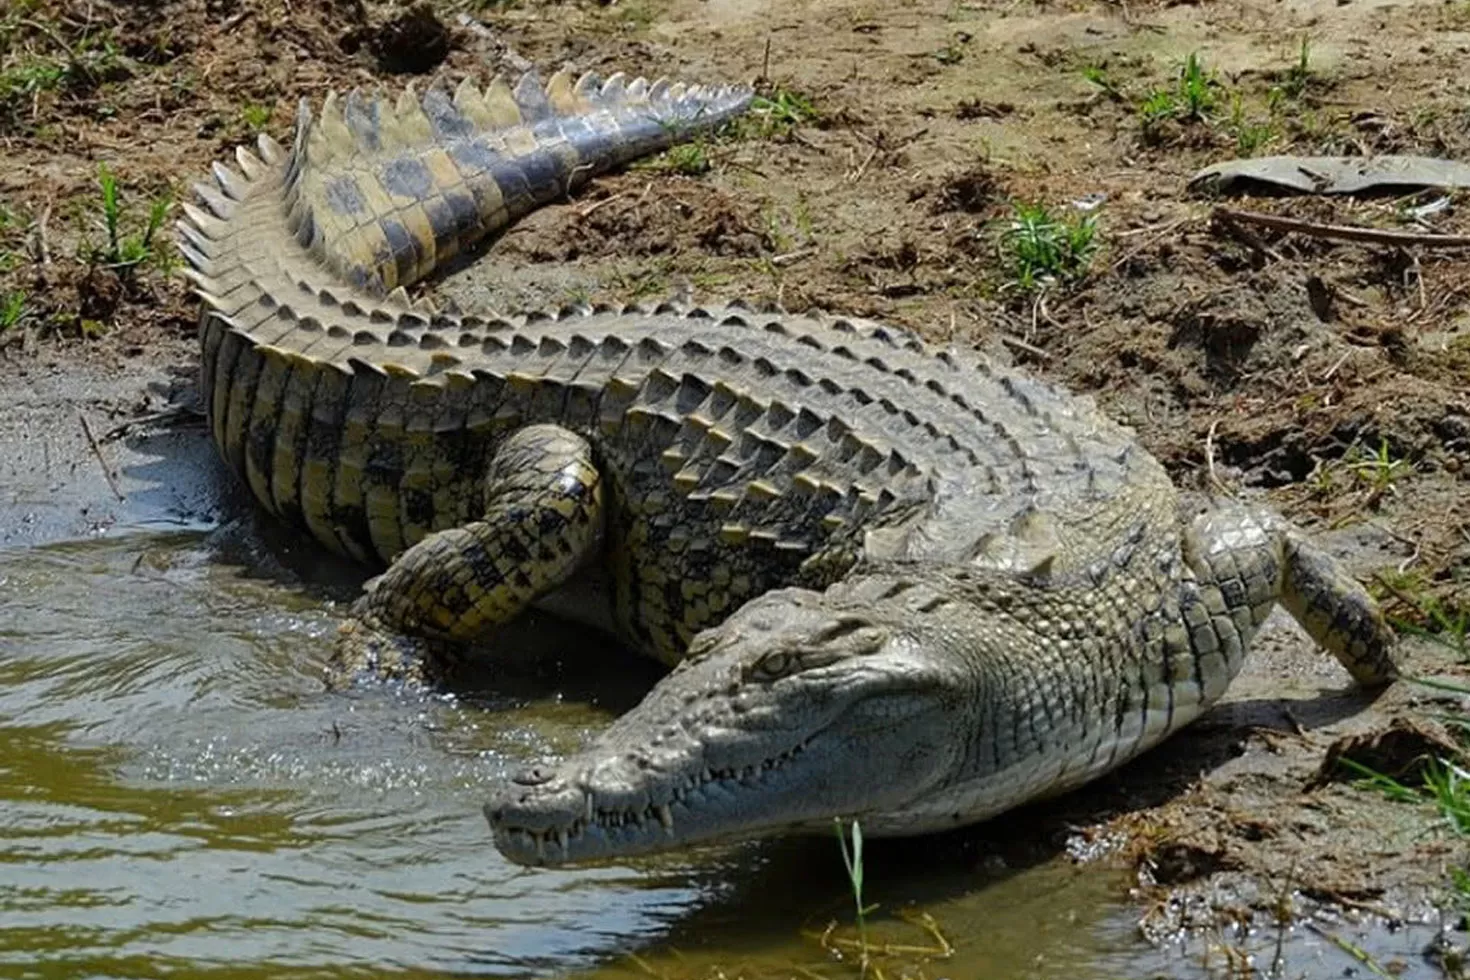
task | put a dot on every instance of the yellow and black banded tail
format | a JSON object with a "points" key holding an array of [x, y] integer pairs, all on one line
{"points": [[382, 192]]}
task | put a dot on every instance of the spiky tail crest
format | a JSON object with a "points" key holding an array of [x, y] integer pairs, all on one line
{"points": [[381, 192]]}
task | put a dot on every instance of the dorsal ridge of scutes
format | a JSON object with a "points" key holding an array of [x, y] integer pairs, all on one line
{"points": [[529, 86], [363, 113], [588, 85], [298, 161], [365, 122], [354, 139]]}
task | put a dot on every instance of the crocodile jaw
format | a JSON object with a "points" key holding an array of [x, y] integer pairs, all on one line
{"points": [[606, 811], [718, 750]]}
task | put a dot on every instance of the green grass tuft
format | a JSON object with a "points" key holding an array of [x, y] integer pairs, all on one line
{"points": [[689, 159], [36, 59], [1445, 786], [1098, 76], [13, 310], [1198, 90], [1194, 98], [256, 117], [1040, 250], [1379, 469], [125, 252], [1296, 79], [777, 113], [1438, 620]]}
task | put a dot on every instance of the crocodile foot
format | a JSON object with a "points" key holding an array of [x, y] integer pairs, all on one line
{"points": [[366, 650]]}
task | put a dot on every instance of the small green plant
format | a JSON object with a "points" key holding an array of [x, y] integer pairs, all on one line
{"points": [[1098, 76], [1451, 627], [30, 77], [652, 279], [690, 159], [1197, 89], [1041, 250], [1194, 98], [777, 113], [10, 255], [1438, 620], [860, 950], [1372, 779], [801, 216], [1460, 884], [775, 230], [1155, 110], [1250, 136], [52, 64], [852, 860], [12, 310], [1379, 469], [1446, 785], [1295, 80], [256, 117], [125, 252]]}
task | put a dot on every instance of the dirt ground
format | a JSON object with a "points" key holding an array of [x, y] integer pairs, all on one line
{"points": [[1330, 378]]}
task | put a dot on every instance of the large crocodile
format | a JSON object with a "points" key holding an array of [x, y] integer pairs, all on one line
{"points": [[903, 585]]}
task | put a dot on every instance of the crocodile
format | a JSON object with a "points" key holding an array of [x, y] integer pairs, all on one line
{"points": [[896, 583]]}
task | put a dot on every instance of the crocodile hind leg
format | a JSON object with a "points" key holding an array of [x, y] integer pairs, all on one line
{"points": [[543, 521], [1245, 560]]}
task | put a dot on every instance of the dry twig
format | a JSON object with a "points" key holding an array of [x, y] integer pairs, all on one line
{"points": [[1019, 344], [101, 461], [1162, 231], [1351, 233]]}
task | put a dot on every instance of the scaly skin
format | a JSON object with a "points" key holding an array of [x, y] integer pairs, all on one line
{"points": [[912, 586], [917, 698]]}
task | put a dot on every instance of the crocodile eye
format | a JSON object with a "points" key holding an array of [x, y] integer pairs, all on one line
{"points": [[773, 666]]}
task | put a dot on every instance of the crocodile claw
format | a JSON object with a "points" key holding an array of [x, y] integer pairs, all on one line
{"points": [[367, 651]]}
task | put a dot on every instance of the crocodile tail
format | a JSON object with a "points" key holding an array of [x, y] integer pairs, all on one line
{"points": [[373, 195], [382, 193]]}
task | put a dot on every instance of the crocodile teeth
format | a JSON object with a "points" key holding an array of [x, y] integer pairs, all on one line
{"points": [[666, 817]]}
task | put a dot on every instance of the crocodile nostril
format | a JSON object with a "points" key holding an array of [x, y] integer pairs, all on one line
{"points": [[533, 776]]}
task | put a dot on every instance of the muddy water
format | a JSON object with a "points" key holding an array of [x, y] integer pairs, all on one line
{"points": [[179, 795]]}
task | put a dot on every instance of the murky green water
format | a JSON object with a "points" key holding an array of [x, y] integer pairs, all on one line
{"points": [[178, 796]]}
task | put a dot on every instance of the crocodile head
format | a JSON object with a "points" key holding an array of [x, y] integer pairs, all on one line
{"points": [[798, 709]]}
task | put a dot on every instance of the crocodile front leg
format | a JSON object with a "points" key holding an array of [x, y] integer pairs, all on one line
{"points": [[1246, 559], [543, 521]]}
